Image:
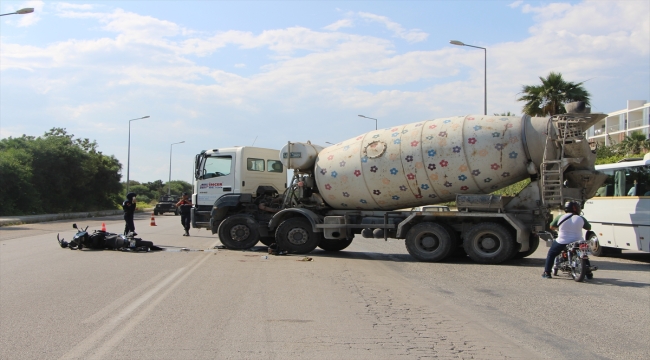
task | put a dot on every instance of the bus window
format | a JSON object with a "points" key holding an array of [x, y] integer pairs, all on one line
{"points": [[275, 166], [638, 178], [255, 164], [607, 189], [619, 183]]}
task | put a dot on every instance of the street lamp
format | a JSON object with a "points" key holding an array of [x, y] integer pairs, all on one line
{"points": [[363, 116], [460, 43], [169, 183], [128, 159], [20, 12]]}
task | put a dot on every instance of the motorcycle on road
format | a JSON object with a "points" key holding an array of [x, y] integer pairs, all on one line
{"points": [[99, 240]]}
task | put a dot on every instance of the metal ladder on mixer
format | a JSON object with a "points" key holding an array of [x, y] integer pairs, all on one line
{"points": [[568, 130]]}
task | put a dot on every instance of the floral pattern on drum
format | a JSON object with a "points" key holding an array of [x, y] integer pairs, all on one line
{"points": [[472, 154]]}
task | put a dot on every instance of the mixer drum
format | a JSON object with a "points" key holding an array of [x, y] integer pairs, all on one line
{"points": [[424, 163]]}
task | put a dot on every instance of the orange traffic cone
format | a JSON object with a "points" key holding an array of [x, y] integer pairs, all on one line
{"points": [[153, 221], [103, 227]]}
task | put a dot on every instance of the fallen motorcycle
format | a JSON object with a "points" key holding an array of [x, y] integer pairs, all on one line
{"points": [[574, 260], [100, 240]]}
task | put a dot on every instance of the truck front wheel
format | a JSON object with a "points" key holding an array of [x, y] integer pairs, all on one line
{"points": [[239, 232], [489, 243], [429, 242], [295, 235]]}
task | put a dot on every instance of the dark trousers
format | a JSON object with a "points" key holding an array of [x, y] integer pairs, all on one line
{"points": [[555, 250], [185, 220], [129, 226]]}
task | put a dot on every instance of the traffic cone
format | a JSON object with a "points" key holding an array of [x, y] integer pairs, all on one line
{"points": [[103, 227], [153, 221]]}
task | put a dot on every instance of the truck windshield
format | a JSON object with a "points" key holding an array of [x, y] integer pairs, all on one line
{"points": [[215, 166]]}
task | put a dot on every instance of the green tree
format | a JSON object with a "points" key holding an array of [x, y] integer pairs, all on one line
{"points": [[56, 173], [505, 114], [550, 97], [635, 143], [179, 186]]}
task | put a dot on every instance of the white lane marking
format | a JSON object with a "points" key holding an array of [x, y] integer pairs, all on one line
{"points": [[110, 308], [142, 313], [93, 340]]}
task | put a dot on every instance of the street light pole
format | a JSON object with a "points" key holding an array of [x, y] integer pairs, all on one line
{"points": [[128, 158], [169, 185], [363, 116], [20, 12], [460, 43]]}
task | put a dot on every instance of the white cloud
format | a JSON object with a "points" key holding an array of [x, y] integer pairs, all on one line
{"points": [[25, 20], [413, 35], [339, 24], [516, 4], [65, 6]]}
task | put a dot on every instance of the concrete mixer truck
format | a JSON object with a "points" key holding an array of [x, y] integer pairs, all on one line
{"points": [[356, 187]]}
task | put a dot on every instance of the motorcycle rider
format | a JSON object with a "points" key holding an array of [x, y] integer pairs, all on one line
{"points": [[185, 206], [129, 209], [569, 227]]}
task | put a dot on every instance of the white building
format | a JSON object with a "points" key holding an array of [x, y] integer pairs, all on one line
{"points": [[619, 124]]}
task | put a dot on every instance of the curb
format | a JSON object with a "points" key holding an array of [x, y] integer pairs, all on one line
{"points": [[33, 219]]}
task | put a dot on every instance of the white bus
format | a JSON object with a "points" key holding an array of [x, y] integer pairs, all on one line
{"points": [[620, 212]]}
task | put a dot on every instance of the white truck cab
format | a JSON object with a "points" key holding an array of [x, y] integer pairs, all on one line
{"points": [[233, 170]]}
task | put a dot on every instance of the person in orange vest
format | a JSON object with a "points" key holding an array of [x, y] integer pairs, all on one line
{"points": [[185, 207]]}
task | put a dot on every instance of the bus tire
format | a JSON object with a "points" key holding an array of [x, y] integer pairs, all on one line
{"points": [[489, 243], [239, 232], [295, 235], [429, 242], [594, 246]]}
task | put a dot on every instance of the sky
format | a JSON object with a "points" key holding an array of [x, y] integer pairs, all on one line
{"points": [[218, 74]]}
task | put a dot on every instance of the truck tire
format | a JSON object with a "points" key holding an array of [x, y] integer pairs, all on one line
{"points": [[489, 243], [176, 212], [239, 232], [155, 212], [533, 244], [296, 236], [429, 242], [334, 245]]}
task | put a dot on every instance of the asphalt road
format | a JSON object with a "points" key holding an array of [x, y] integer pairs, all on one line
{"points": [[370, 301]]}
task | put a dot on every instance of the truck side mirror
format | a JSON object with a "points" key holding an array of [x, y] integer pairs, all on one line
{"points": [[74, 225]]}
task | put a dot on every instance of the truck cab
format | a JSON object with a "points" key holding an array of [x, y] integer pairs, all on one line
{"points": [[232, 171]]}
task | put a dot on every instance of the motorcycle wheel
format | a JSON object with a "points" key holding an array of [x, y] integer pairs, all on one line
{"points": [[579, 271]]}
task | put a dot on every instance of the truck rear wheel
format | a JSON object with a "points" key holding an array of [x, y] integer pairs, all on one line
{"points": [[239, 232], [429, 242], [533, 244], [334, 245], [296, 236], [489, 243]]}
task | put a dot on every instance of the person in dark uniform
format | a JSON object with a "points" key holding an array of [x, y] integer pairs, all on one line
{"points": [[129, 209], [185, 206]]}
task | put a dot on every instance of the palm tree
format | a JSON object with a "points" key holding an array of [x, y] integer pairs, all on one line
{"points": [[634, 144], [550, 97]]}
